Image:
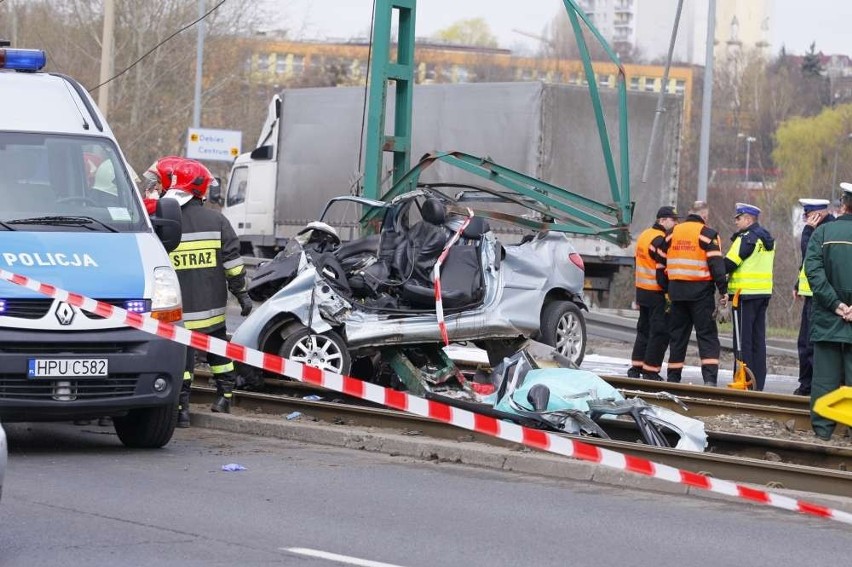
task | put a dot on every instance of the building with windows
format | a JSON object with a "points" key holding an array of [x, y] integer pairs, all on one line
{"points": [[294, 64], [647, 25]]}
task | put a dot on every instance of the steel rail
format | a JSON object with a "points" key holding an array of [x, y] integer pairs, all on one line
{"points": [[740, 469]]}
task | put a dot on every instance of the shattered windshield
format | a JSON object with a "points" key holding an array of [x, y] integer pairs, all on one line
{"points": [[66, 183]]}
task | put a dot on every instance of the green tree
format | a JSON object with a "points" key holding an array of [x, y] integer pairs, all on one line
{"points": [[807, 149], [811, 64], [474, 31]]}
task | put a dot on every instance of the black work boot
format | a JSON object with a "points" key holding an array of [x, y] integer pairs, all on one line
{"points": [[673, 376], [183, 409], [634, 372], [710, 373], [224, 392], [652, 376], [222, 404]]}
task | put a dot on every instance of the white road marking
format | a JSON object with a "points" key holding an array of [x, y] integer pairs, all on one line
{"points": [[335, 557]]}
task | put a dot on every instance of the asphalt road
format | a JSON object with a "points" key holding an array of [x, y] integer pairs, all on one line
{"points": [[74, 496]]}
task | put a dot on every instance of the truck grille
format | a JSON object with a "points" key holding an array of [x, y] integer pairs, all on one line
{"points": [[117, 386]]}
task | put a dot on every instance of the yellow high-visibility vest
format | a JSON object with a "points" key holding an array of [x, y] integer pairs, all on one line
{"points": [[804, 284], [754, 274]]}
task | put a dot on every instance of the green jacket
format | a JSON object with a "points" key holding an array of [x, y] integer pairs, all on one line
{"points": [[827, 265]]}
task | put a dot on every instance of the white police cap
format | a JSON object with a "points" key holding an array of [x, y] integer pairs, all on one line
{"points": [[811, 205]]}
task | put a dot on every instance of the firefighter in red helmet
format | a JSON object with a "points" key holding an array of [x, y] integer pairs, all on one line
{"points": [[208, 265]]}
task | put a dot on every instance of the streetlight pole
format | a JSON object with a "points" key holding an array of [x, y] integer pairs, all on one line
{"points": [[106, 55], [749, 140], [199, 62], [706, 105]]}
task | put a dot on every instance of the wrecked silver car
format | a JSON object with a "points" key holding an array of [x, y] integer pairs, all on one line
{"points": [[351, 307]]}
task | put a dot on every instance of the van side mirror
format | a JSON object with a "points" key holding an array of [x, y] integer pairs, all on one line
{"points": [[214, 195], [167, 223], [263, 152]]}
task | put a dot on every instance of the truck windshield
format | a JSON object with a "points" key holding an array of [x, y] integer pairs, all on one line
{"points": [[44, 177]]}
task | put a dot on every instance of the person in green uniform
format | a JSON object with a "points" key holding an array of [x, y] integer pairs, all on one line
{"points": [[827, 267]]}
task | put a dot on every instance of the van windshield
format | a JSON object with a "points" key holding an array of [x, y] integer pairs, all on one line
{"points": [[45, 178]]}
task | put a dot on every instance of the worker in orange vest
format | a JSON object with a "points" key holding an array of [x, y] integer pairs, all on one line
{"points": [[652, 329], [696, 271]]}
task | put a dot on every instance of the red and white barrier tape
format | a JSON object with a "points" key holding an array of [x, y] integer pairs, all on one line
{"points": [[436, 278], [428, 408]]}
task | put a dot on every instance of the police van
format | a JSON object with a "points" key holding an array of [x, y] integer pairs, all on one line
{"points": [[72, 217]]}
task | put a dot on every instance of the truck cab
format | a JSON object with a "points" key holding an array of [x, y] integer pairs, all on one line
{"points": [[73, 218], [252, 212]]}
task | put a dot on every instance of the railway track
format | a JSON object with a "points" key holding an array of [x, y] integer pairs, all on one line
{"points": [[764, 461]]}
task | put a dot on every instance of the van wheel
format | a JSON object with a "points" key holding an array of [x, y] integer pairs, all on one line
{"points": [[147, 428], [323, 350], [564, 327]]}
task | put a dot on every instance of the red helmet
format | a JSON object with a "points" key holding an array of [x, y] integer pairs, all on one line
{"points": [[160, 173], [192, 177]]}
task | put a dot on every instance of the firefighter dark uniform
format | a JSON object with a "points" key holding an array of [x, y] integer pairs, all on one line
{"points": [[749, 262], [695, 270], [652, 330], [803, 290], [208, 264], [827, 266]]}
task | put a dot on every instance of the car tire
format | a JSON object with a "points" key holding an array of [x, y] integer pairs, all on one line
{"points": [[147, 428], [327, 350], [564, 328]]}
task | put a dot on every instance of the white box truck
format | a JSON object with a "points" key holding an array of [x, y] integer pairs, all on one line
{"points": [[309, 149]]}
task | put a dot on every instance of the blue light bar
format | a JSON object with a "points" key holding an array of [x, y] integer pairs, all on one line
{"points": [[2, 306], [136, 305], [22, 59]]}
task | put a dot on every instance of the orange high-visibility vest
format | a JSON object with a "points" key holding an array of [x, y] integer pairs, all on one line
{"points": [[646, 266], [687, 261]]}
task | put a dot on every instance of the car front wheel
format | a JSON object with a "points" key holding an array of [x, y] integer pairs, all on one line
{"points": [[147, 428], [326, 351], [564, 328]]}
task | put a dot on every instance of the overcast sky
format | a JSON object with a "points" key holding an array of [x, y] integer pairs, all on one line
{"points": [[795, 23]]}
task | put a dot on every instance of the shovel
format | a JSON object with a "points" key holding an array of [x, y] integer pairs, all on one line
{"points": [[743, 377]]}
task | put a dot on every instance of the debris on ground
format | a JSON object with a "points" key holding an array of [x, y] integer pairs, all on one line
{"points": [[745, 424]]}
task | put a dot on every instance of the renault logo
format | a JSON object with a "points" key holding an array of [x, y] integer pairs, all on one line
{"points": [[64, 313]]}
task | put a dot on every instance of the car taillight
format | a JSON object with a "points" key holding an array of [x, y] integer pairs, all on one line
{"points": [[577, 260]]}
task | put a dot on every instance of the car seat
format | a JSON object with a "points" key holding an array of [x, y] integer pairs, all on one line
{"points": [[416, 254], [461, 273]]}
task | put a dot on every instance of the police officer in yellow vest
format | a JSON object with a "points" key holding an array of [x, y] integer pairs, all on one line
{"points": [[652, 329], [749, 265], [815, 214]]}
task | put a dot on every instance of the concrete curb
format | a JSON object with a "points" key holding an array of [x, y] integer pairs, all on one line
{"points": [[465, 452]]}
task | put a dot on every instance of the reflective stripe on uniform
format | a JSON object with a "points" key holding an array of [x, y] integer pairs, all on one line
{"points": [[202, 319], [187, 375], [222, 368], [204, 235], [709, 361], [235, 271], [198, 245]]}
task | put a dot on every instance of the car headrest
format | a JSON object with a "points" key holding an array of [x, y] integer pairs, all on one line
{"points": [[433, 211], [476, 228]]}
